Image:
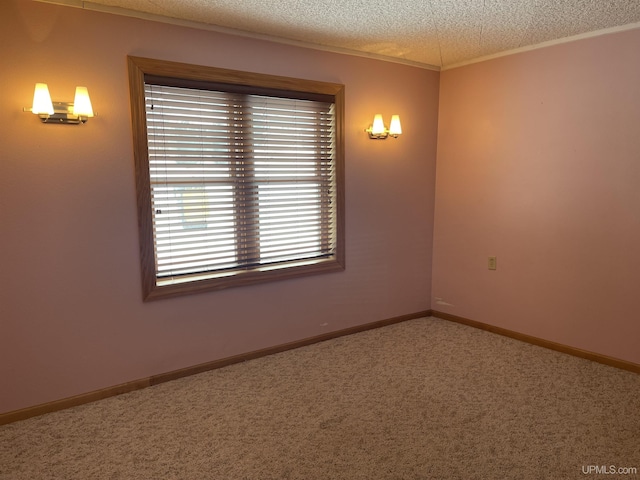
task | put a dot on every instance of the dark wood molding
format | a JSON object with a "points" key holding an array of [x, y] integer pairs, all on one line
{"points": [[205, 367], [74, 401], [576, 352], [188, 75], [81, 399]]}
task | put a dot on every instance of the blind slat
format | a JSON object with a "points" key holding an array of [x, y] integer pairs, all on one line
{"points": [[238, 180]]}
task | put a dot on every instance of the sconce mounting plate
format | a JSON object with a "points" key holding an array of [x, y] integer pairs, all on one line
{"points": [[63, 113], [377, 136]]}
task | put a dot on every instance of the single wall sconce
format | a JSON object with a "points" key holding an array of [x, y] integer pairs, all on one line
{"points": [[378, 131], [74, 113]]}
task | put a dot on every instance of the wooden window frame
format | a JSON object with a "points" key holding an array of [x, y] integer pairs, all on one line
{"points": [[144, 68]]}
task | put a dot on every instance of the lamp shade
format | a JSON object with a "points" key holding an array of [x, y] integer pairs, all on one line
{"points": [[82, 103], [395, 128], [378, 125], [42, 104]]}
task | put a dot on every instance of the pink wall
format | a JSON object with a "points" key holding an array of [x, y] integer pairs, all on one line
{"points": [[72, 319], [539, 164]]}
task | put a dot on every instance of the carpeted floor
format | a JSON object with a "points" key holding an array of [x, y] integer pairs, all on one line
{"points": [[423, 399]]}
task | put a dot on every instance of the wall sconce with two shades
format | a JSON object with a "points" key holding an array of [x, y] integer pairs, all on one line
{"points": [[74, 113], [378, 131]]}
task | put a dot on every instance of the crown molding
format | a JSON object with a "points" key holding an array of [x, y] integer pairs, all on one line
{"points": [[96, 7], [550, 43]]}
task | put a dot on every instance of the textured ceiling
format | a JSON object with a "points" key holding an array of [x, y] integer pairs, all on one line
{"points": [[436, 33]]}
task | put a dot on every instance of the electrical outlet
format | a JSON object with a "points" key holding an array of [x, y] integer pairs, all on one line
{"points": [[493, 263]]}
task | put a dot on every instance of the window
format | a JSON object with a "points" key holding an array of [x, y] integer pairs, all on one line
{"points": [[239, 176]]}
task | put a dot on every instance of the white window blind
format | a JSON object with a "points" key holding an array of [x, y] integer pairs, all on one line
{"points": [[238, 181]]}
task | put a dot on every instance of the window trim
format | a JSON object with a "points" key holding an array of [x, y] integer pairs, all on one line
{"points": [[139, 68]]}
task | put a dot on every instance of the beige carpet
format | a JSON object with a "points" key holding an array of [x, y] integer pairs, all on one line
{"points": [[424, 399]]}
